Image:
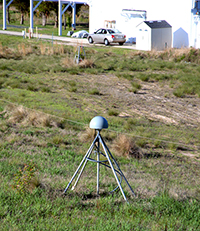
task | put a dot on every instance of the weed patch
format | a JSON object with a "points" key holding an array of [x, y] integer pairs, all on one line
{"points": [[25, 179]]}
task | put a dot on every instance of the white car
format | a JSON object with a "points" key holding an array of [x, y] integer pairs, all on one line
{"points": [[107, 36], [80, 34]]}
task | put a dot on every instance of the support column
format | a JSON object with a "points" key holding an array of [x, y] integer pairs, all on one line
{"points": [[4, 15], [74, 16], [31, 15], [60, 17]]}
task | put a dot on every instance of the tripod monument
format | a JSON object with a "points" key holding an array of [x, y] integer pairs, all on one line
{"points": [[98, 123]]}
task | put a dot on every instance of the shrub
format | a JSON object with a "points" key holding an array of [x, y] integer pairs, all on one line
{"points": [[112, 112], [135, 87], [73, 89], [144, 77], [179, 92], [68, 62], [86, 63], [125, 146], [94, 91], [25, 179], [17, 114], [72, 83], [45, 89], [31, 87], [125, 75], [22, 115]]}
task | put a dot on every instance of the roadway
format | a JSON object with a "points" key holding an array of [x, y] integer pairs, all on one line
{"points": [[66, 40]]}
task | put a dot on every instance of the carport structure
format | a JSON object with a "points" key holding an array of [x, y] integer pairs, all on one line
{"points": [[60, 11]]}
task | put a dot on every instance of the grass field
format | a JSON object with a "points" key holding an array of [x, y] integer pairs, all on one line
{"points": [[49, 28], [151, 101]]}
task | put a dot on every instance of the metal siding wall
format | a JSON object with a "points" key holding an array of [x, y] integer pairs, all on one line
{"points": [[160, 37]]}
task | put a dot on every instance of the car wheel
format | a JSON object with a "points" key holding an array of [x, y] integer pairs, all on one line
{"points": [[90, 40], [106, 42], [121, 43]]}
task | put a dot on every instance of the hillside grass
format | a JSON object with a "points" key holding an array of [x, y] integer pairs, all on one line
{"points": [[46, 104]]}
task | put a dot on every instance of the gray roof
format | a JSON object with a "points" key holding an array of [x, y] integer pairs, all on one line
{"points": [[158, 24]]}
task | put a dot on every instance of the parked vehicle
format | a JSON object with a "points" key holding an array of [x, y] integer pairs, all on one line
{"points": [[107, 36], [80, 34]]}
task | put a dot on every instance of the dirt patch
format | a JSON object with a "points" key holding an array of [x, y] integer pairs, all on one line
{"points": [[154, 100]]}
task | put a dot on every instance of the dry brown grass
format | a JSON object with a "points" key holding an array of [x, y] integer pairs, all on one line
{"points": [[38, 119], [88, 135], [68, 61], [1, 48], [50, 50], [58, 49], [171, 54], [87, 63], [12, 138], [28, 117], [6, 52], [125, 146], [16, 114], [43, 49], [24, 50]]}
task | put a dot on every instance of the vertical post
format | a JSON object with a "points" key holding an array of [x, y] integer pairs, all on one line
{"points": [[4, 15], [36, 32], [98, 166], [31, 15], [74, 16], [195, 38], [60, 17], [77, 62]]}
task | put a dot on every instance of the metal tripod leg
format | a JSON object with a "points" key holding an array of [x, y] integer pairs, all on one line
{"points": [[111, 165], [86, 155], [86, 160], [117, 166], [98, 164], [110, 159]]}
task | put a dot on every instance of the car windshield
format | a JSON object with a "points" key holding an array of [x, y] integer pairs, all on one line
{"points": [[113, 31]]}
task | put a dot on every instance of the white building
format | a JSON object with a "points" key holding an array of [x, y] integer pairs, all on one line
{"points": [[185, 25], [177, 13], [154, 35], [195, 24]]}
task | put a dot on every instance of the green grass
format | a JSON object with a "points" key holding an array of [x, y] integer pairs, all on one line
{"points": [[166, 182], [49, 29], [157, 214]]}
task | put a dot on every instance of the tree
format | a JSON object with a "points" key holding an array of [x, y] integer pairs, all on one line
{"points": [[23, 7], [68, 15], [55, 8], [8, 15], [45, 8]]}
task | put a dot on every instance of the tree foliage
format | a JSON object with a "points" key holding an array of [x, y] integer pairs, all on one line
{"points": [[44, 9], [22, 5]]}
